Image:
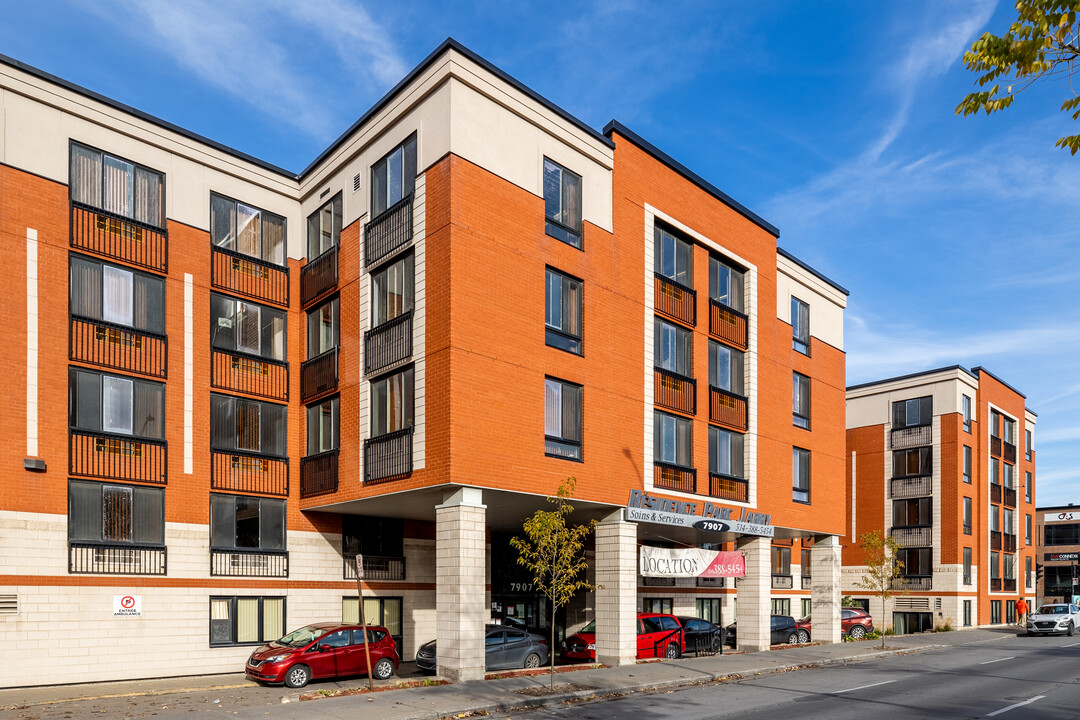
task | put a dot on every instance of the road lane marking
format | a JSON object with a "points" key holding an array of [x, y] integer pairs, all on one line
{"points": [[1013, 707], [1071, 645], [862, 687], [998, 660]]}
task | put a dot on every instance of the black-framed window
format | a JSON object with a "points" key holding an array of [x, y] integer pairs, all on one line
{"points": [[247, 425], [967, 464], [966, 406], [1029, 483], [995, 608], [995, 472], [392, 402], [1027, 529], [324, 228], [800, 475], [563, 410], [806, 606], [709, 609], [655, 605], [995, 518], [393, 178], [117, 186], [381, 611], [915, 512], [370, 535], [967, 613], [726, 367], [672, 439], [805, 564], [995, 565], [674, 257], [779, 606], [967, 516], [1027, 571], [116, 404], [1008, 525], [1029, 448], [912, 462], [1062, 534], [916, 562], [1010, 431], [995, 424], [562, 203], [800, 325], [246, 620], [323, 433], [725, 452], [673, 347], [243, 522], [241, 326], [800, 400], [112, 513], [323, 328], [118, 295], [913, 412], [781, 560], [392, 290], [727, 283], [562, 311], [1009, 479], [247, 230], [967, 566]]}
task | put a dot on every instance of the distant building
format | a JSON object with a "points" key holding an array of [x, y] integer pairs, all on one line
{"points": [[1057, 529]]}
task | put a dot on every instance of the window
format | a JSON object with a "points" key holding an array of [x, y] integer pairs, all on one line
{"points": [[655, 605], [965, 402], [1063, 534], [995, 565], [995, 519], [113, 294], [1010, 431], [967, 464], [1009, 561], [246, 620], [800, 325], [913, 412], [244, 327], [725, 368], [1027, 529], [673, 257], [1028, 449], [562, 203], [1028, 486], [104, 513], [242, 521], [800, 393], [386, 611], [372, 536], [562, 311], [1010, 475], [392, 403], [995, 612], [322, 426], [995, 478], [912, 513], [780, 606], [967, 566], [995, 423], [393, 177], [117, 186], [673, 347], [562, 419], [807, 607], [726, 283], [247, 426], [1027, 572], [709, 609], [247, 230], [913, 462], [323, 328], [916, 562], [118, 405], [967, 516], [725, 453], [804, 563], [800, 475], [324, 228], [967, 613], [1007, 525], [392, 291], [672, 439]]}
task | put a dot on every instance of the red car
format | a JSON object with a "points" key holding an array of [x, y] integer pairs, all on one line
{"points": [[854, 623], [323, 650], [657, 636]]}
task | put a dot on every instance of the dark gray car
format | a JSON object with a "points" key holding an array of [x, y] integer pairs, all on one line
{"points": [[505, 649]]}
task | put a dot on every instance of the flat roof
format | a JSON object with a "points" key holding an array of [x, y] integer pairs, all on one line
{"points": [[812, 271], [980, 369], [910, 376]]}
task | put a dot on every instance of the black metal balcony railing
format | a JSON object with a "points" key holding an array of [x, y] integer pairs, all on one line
{"points": [[376, 567], [389, 232], [674, 391], [913, 583], [711, 582], [319, 375], [249, 472], [249, 276], [995, 540], [389, 456], [912, 537], [674, 299], [388, 344], [911, 487], [910, 437], [319, 276], [674, 477], [782, 582], [117, 457], [319, 474], [725, 487], [729, 409], [1009, 454], [995, 493], [96, 342], [995, 446], [249, 563], [116, 559], [251, 374], [807, 583], [728, 324], [1008, 543], [116, 236], [1009, 497]]}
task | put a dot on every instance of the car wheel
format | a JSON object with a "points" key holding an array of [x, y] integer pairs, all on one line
{"points": [[383, 669], [1069, 632], [532, 660], [716, 644], [793, 638], [298, 676], [671, 652], [804, 637], [858, 632]]}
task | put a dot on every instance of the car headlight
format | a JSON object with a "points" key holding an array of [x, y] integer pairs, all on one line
{"points": [[1030, 624], [275, 659], [592, 646]]}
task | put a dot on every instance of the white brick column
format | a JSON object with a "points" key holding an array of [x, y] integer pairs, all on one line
{"points": [[616, 596], [753, 631], [460, 561], [825, 592]]}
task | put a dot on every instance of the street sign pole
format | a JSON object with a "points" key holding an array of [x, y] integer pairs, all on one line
{"points": [[363, 620]]}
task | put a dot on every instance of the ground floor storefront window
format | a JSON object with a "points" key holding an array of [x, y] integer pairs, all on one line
{"points": [[905, 623], [377, 611]]}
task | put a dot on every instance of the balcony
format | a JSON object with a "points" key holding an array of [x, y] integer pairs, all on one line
{"points": [[116, 559], [251, 472], [674, 299], [728, 409], [674, 391], [911, 487], [908, 583], [249, 563], [912, 537], [389, 344], [1008, 543], [389, 232], [995, 446], [782, 582], [96, 342], [319, 474], [1009, 453], [995, 493], [807, 582], [1009, 497], [117, 457], [725, 487], [116, 236], [674, 477], [318, 277], [249, 276], [995, 539], [711, 582], [728, 324], [319, 375], [910, 437], [389, 456], [375, 567], [251, 374]]}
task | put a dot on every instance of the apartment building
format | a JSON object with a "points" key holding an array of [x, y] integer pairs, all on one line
{"points": [[226, 380], [1057, 547], [942, 462]]}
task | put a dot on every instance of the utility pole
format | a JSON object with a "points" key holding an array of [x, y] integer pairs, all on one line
{"points": [[363, 620]]}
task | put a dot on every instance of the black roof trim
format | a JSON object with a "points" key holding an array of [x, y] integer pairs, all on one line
{"points": [[616, 126], [812, 271], [1041, 508], [912, 375], [981, 369]]}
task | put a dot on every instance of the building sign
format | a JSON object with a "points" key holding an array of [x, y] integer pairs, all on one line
{"points": [[1061, 516], [690, 562], [1061, 557], [707, 516], [127, 606]]}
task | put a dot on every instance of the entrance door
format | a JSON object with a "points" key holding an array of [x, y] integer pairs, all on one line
{"points": [[529, 613], [905, 623]]}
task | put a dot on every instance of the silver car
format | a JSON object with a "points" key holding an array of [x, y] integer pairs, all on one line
{"points": [[505, 648], [1054, 618]]}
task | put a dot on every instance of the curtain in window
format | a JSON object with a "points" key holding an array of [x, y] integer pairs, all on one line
{"points": [[247, 327], [392, 291], [148, 196], [149, 415], [720, 371], [116, 405], [222, 422], [273, 618], [571, 201], [219, 609], [119, 186], [391, 615], [248, 231], [719, 451], [553, 408], [86, 391], [350, 611], [116, 513], [247, 425], [274, 239], [571, 304], [273, 334], [571, 413], [118, 296], [149, 304], [247, 620], [85, 176], [84, 511], [86, 288]]}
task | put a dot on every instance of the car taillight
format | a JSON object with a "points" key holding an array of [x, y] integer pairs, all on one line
{"points": [[543, 642]]}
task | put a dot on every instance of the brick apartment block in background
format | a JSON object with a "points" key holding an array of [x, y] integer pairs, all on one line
{"points": [[1057, 547]]}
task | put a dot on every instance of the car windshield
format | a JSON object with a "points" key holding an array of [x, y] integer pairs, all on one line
{"points": [[302, 637], [1053, 610], [805, 618], [590, 628]]}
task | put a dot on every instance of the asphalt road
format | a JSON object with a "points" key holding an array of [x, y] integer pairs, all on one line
{"points": [[1011, 678]]}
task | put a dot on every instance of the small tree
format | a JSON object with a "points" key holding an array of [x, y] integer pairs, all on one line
{"points": [[882, 567], [554, 553]]}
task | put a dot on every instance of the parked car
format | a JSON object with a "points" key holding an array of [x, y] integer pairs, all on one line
{"points": [[505, 649], [323, 650], [702, 636], [1054, 618], [658, 635], [854, 623], [784, 630]]}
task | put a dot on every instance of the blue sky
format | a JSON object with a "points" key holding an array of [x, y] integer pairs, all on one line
{"points": [[957, 237]]}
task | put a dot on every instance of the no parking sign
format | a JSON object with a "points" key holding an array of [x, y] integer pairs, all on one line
{"points": [[127, 606]]}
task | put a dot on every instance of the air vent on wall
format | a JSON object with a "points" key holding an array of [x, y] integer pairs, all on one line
{"points": [[356, 182], [9, 604], [913, 603]]}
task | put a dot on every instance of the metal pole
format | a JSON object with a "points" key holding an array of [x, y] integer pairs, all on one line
{"points": [[363, 620]]}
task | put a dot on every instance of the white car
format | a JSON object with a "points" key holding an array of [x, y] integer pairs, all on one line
{"points": [[1054, 618]]}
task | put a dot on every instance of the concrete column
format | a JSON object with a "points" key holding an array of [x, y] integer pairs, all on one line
{"points": [[753, 631], [616, 597], [825, 593], [460, 561]]}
